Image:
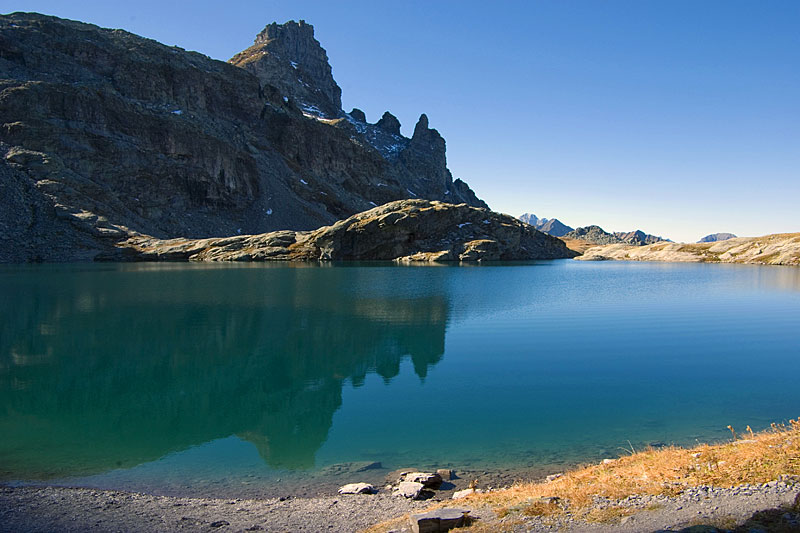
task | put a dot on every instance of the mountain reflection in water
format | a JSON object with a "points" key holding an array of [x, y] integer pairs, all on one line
{"points": [[110, 371]]}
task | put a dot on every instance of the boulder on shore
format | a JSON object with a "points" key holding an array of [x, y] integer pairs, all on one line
{"points": [[438, 520], [357, 488], [412, 490]]}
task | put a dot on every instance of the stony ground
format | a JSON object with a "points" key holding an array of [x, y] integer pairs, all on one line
{"points": [[751, 508], [79, 510], [765, 507]]}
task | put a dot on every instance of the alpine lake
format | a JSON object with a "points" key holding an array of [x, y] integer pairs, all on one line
{"points": [[242, 380]]}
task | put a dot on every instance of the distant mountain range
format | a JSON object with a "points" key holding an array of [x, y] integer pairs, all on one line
{"points": [[551, 226], [593, 234], [714, 237]]}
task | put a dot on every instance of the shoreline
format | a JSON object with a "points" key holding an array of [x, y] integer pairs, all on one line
{"points": [[744, 484], [41, 509]]}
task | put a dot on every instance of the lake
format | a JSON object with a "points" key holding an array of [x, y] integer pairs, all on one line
{"points": [[255, 379]]}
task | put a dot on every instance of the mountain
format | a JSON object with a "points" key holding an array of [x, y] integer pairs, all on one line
{"points": [[107, 134], [597, 235], [776, 249], [593, 234], [714, 237], [551, 226], [637, 237]]}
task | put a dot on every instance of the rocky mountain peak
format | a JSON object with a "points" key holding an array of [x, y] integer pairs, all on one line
{"points": [[358, 115], [422, 125], [287, 56], [285, 34], [389, 123]]}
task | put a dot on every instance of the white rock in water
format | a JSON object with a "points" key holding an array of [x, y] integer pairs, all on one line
{"points": [[410, 489], [553, 477], [609, 461], [357, 488]]}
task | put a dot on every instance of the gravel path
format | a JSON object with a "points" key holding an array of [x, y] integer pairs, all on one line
{"points": [[30, 509]]}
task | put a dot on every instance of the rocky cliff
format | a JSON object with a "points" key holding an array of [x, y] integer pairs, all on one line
{"points": [[106, 134], [405, 230], [777, 249]]}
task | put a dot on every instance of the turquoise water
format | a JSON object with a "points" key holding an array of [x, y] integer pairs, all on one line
{"points": [[175, 378]]}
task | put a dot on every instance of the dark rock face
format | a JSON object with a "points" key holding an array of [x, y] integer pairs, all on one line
{"points": [[715, 237], [551, 226], [406, 230], [105, 134]]}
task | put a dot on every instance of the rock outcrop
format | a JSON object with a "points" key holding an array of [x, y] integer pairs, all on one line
{"points": [[551, 226], [106, 134], [715, 237], [777, 249], [405, 230]]}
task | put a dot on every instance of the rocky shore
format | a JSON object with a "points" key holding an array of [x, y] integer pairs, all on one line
{"points": [[762, 507]]}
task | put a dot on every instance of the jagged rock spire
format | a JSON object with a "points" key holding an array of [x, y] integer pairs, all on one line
{"points": [[389, 124], [287, 56]]}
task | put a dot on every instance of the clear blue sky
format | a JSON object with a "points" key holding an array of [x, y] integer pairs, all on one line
{"points": [[681, 118]]}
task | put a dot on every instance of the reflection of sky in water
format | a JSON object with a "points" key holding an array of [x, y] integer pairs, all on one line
{"points": [[140, 375]]}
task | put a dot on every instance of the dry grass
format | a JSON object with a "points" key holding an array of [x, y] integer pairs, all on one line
{"points": [[750, 458], [577, 245]]}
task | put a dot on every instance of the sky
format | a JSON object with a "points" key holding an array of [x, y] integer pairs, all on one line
{"points": [[680, 118]]}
